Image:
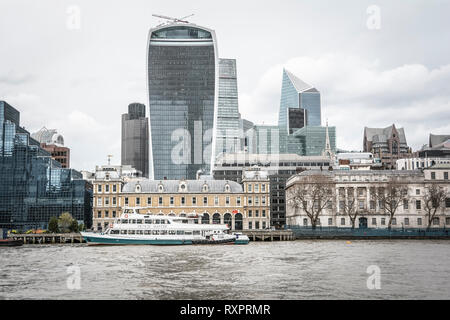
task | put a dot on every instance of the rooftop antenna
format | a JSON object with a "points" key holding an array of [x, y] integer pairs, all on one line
{"points": [[109, 159], [173, 20]]}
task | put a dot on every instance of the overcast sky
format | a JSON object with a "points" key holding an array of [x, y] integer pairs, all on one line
{"points": [[80, 77]]}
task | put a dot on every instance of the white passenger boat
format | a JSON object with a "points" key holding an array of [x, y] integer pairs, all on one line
{"points": [[133, 227]]}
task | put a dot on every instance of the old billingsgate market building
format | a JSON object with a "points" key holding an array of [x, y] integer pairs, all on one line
{"points": [[412, 198], [241, 206]]}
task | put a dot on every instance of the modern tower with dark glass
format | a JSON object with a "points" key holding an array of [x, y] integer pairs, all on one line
{"points": [[182, 71], [135, 140]]}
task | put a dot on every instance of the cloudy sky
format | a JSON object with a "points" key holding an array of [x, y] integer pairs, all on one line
{"points": [[76, 65]]}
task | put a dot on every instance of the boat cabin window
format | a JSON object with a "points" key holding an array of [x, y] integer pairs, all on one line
{"points": [[158, 221], [188, 232], [148, 221], [139, 231], [172, 232], [155, 232], [163, 221], [114, 232], [163, 232], [133, 221], [139, 221], [123, 231], [180, 232], [124, 220], [147, 232], [196, 232], [131, 232]]}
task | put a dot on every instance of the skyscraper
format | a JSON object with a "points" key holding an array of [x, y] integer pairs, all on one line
{"points": [[33, 186], [135, 140], [182, 70], [229, 134], [297, 94]]}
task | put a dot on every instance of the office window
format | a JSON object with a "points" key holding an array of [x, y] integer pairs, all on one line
{"points": [[263, 224], [250, 213], [305, 222], [418, 204], [436, 221], [183, 201], [238, 201], [256, 224], [433, 175], [419, 221], [383, 221], [342, 221], [227, 201], [417, 191], [250, 201], [405, 204], [406, 221], [114, 214], [250, 225], [160, 201], [249, 188], [171, 201], [330, 221], [263, 187], [374, 221], [107, 188], [372, 205], [114, 188], [106, 214], [256, 187], [447, 202], [216, 201], [447, 220], [126, 201], [99, 188], [445, 175], [263, 213], [394, 221], [194, 201], [138, 201], [99, 202], [99, 214], [205, 201], [149, 201]]}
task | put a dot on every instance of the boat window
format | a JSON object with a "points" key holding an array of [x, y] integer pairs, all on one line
{"points": [[148, 221], [157, 221], [131, 232], [124, 220], [139, 221], [147, 231], [114, 232], [180, 232], [163, 232], [188, 232], [163, 221], [196, 232], [133, 221], [139, 231], [123, 231], [155, 232], [172, 232]]}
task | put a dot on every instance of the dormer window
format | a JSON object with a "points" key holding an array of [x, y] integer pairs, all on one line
{"points": [[205, 188], [182, 187], [227, 188], [160, 188], [138, 188]]}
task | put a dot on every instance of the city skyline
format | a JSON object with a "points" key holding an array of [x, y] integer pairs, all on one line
{"points": [[383, 77]]}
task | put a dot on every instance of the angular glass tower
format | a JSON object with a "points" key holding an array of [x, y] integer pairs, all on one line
{"points": [[297, 94], [182, 69], [135, 142], [229, 133]]}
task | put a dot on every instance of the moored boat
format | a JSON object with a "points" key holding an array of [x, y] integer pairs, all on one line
{"points": [[10, 243], [134, 228]]}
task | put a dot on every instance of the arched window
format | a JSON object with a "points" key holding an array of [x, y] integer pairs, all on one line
{"points": [[227, 219], [238, 221], [205, 218], [216, 218]]}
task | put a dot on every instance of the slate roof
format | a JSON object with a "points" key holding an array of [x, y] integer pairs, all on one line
{"points": [[172, 186]]}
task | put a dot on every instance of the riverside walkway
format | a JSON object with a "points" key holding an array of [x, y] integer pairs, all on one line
{"points": [[43, 238]]}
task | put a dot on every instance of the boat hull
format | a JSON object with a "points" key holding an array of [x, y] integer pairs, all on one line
{"points": [[93, 240], [11, 243]]}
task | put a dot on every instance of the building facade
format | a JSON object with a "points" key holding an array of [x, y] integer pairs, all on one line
{"points": [[135, 138], [107, 184], [388, 144], [229, 134], [359, 188], [279, 167], [182, 70], [33, 186], [295, 93], [53, 142]]}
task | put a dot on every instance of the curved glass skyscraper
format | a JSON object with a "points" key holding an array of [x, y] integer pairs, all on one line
{"points": [[182, 68]]}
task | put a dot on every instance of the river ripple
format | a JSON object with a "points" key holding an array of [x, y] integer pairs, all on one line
{"points": [[416, 269]]}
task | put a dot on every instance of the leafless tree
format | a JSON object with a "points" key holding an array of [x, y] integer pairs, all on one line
{"points": [[434, 199], [312, 194], [349, 206], [390, 197]]}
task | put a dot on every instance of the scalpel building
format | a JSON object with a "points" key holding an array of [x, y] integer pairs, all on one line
{"points": [[182, 70]]}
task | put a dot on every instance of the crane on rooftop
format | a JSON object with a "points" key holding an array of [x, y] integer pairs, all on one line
{"points": [[173, 19]]}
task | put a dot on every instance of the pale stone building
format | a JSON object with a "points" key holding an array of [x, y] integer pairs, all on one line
{"points": [[361, 186]]}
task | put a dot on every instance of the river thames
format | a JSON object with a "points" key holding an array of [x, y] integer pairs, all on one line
{"points": [[415, 269]]}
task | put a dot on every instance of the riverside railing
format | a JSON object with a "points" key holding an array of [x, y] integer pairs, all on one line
{"points": [[301, 231]]}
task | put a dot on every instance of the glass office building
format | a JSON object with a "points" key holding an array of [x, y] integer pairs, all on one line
{"points": [[33, 186], [311, 141], [229, 133], [182, 69], [297, 94], [135, 142]]}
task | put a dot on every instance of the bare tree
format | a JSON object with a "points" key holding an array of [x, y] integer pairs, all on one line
{"points": [[390, 198], [349, 206], [312, 194], [434, 198]]}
